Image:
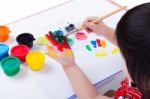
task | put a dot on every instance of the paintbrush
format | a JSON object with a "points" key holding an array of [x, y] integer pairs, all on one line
{"points": [[96, 21]]}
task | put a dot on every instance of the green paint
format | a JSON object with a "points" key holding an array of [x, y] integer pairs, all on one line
{"points": [[60, 39], [88, 48], [10, 65], [70, 41]]}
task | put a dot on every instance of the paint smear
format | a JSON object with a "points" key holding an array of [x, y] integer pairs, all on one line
{"points": [[101, 54]]}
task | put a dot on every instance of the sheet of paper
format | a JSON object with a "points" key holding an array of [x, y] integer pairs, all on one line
{"points": [[52, 79]]}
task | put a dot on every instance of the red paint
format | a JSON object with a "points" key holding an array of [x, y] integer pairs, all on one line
{"points": [[60, 46], [81, 36], [20, 51], [98, 42]]}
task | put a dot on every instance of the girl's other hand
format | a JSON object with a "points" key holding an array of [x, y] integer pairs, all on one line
{"points": [[99, 28]]}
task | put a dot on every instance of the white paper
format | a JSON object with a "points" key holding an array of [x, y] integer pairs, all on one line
{"points": [[52, 79]]}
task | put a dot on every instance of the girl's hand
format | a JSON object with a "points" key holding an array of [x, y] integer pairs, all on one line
{"points": [[99, 28], [65, 60]]}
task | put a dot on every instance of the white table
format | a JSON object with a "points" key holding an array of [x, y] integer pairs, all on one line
{"points": [[51, 82]]}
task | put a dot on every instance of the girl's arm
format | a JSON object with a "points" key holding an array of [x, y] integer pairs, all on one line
{"points": [[82, 86], [100, 29]]}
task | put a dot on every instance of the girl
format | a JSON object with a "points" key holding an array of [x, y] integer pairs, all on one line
{"points": [[132, 36]]}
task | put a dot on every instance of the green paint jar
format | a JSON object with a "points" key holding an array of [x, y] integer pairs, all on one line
{"points": [[10, 65]]}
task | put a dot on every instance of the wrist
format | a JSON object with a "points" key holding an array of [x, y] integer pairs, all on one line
{"points": [[65, 66], [108, 31]]}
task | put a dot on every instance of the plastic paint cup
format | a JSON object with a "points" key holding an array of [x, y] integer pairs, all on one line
{"points": [[20, 51], [25, 39], [10, 65], [35, 60], [4, 33], [3, 51]]}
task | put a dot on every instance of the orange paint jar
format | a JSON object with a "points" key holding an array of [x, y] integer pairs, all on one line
{"points": [[4, 33]]}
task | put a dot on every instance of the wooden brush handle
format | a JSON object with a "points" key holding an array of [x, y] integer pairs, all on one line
{"points": [[110, 14]]}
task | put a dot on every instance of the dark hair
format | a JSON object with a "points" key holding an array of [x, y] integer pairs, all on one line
{"points": [[133, 38]]}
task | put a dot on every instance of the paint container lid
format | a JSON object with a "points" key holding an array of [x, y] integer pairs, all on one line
{"points": [[25, 37], [3, 49], [4, 30], [19, 50], [10, 65], [35, 57]]}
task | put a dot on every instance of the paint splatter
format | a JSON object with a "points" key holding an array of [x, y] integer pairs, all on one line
{"points": [[49, 47], [94, 43], [98, 42], [60, 44], [52, 54], [58, 35], [42, 40], [103, 43], [70, 28], [67, 52], [88, 47], [50, 51], [101, 54], [81, 36], [115, 50], [70, 41]]}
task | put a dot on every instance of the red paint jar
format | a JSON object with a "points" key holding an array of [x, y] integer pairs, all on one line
{"points": [[20, 51]]}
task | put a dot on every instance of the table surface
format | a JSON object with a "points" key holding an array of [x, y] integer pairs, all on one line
{"points": [[51, 82], [15, 10]]}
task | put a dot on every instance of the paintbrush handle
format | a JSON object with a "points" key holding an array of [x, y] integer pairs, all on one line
{"points": [[96, 21], [110, 14]]}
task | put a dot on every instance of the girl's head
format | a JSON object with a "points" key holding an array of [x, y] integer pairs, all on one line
{"points": [[133, 38]]}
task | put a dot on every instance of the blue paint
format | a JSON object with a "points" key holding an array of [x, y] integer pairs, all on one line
{"points": [[58, 33], [3, 51], [94, 44]]}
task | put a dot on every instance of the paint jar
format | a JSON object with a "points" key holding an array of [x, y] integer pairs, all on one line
{"points": [[4, 33], [10, 65], [25, 39], [3, 51], [20, 51], [35, 60]]}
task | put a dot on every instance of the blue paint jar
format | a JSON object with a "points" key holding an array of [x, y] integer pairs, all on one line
{"points": [[3, 51]]}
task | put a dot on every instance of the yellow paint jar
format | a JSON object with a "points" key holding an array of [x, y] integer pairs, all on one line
{"points": [[35, 60]]}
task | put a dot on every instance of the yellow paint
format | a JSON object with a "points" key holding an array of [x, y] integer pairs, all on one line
{"points": [[52, 54], [103, 43], [35, 60], [67, 52], [115, 50], [49, 47], [101, 54], [42, 40]]}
